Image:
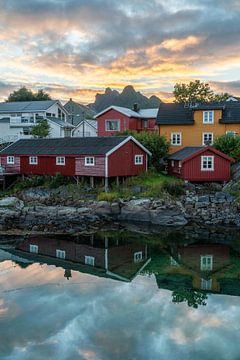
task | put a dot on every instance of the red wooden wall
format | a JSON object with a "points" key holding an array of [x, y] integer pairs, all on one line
{"points": [[121, 162]]}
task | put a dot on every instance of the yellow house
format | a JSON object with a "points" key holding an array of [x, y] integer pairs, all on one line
{"points": [[197, 125]]}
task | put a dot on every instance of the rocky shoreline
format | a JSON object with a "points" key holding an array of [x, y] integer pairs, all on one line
{"points": [[31, 213]]}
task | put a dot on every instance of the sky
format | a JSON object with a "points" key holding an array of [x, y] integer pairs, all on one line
{"points": [[76, 48]]}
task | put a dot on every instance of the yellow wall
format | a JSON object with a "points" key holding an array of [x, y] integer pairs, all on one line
{"points": [[192, 134]]}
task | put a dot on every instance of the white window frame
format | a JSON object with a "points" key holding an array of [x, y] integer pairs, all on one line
{"points": [[33, 160], [138, 159], [138, 256], [172, 163], [33, 249], [60, 254], [89, 260], [206, 119], [206, 284], [207, 158], [107, 121], [60, 160], [10, 160], [206, 266], [207, 134], [87, 159], [176, 138], [231, 133]]}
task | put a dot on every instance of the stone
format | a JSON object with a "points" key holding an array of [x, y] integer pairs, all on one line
{"points": [[12, 202], [203, 198]]}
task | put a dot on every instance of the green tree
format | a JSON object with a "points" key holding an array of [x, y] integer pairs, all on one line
{"points": [[229, 145], [24, 94], [41, 130], [196, 91], [158, 145]]}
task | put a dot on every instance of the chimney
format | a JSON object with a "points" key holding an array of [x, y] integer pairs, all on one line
{"points": [[136, 107], [70, 99]]}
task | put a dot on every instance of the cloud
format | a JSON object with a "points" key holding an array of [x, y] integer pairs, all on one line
{"points": [[82, 44]]}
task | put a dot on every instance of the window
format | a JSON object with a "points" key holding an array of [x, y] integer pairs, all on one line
{"points": [[60, 160], [89, 260], [10, 160], [112, 125], [176, 139], [138, 160], [60, 254], [206, 262], [207, 138], [206, 284], [231, 133], [207, 163], [208, 117], [33, 160], [172, 163], [145, 124], [89, 161], [138, 256], [33, 249]]}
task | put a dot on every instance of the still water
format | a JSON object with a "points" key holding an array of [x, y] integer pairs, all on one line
{"points": [[121, 296]]}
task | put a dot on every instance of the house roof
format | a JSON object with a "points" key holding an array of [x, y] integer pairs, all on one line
{"points": [[179, 114], [141, 114], [60, 122], [67, 146], [92, 123], [26, 106], [171, 113], [190, 152]]}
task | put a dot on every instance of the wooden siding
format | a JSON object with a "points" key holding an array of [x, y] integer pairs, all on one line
{"points": [[191, 169], [47, 166], [97, 170], [11, 168], [192, 134], [121, 162]]}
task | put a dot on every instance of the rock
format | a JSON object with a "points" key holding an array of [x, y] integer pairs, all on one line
{"points": [[203, 198], [139, 202], [37, 194], [12, 202]]}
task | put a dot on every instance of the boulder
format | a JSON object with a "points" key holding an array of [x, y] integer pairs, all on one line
{"points": [[11, 202]]}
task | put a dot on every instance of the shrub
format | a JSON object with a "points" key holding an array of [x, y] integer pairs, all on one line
{"points": [[228, 144], [174, 188], [110, 196], [58, 180]]}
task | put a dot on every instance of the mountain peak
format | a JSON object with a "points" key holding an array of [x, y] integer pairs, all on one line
{"points": [[127, 98]]}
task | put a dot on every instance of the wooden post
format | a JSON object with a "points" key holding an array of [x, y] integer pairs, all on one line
{"points": [[91, 181], [106, 184], [117, 180]]}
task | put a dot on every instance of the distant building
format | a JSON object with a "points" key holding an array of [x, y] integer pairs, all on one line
{"points": [[117, 119], [86, 128], [18, 118], [78, 112]]}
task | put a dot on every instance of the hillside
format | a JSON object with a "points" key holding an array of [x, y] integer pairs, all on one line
{"points": [[126, 98]]}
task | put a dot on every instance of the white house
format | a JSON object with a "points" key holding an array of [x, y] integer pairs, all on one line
{"points": [[18, 118], [86, 128]]}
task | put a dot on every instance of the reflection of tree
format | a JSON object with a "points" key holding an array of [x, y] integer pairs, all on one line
{"points": [[192, 297]]}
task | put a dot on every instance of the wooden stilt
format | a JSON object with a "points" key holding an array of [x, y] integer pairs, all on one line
{"points": [[117, 180], [91, 181], [106, 184]]}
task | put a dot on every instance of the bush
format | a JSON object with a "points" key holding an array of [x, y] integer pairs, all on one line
{"points": [[155, 143], [174, 188], [110, 196], [229, 145]]}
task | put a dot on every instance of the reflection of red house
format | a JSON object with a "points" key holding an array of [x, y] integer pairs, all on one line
{"points": [[121, 261], [201, 163], [115, 118]]}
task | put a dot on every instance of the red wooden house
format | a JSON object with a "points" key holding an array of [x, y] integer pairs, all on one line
{"points": [[115, 118], [104, 157], [202, 163]]}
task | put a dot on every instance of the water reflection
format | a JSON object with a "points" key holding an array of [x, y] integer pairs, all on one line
{"points": [[113, 296]]}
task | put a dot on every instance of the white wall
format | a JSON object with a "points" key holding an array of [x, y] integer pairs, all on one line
{"points": [[87, 130]]}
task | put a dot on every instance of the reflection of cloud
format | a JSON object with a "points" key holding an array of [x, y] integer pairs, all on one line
{"points": [[104, 319], [80, 44]]}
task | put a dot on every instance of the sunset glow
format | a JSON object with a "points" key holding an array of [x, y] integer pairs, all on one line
{"points": [[77, 48]]}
